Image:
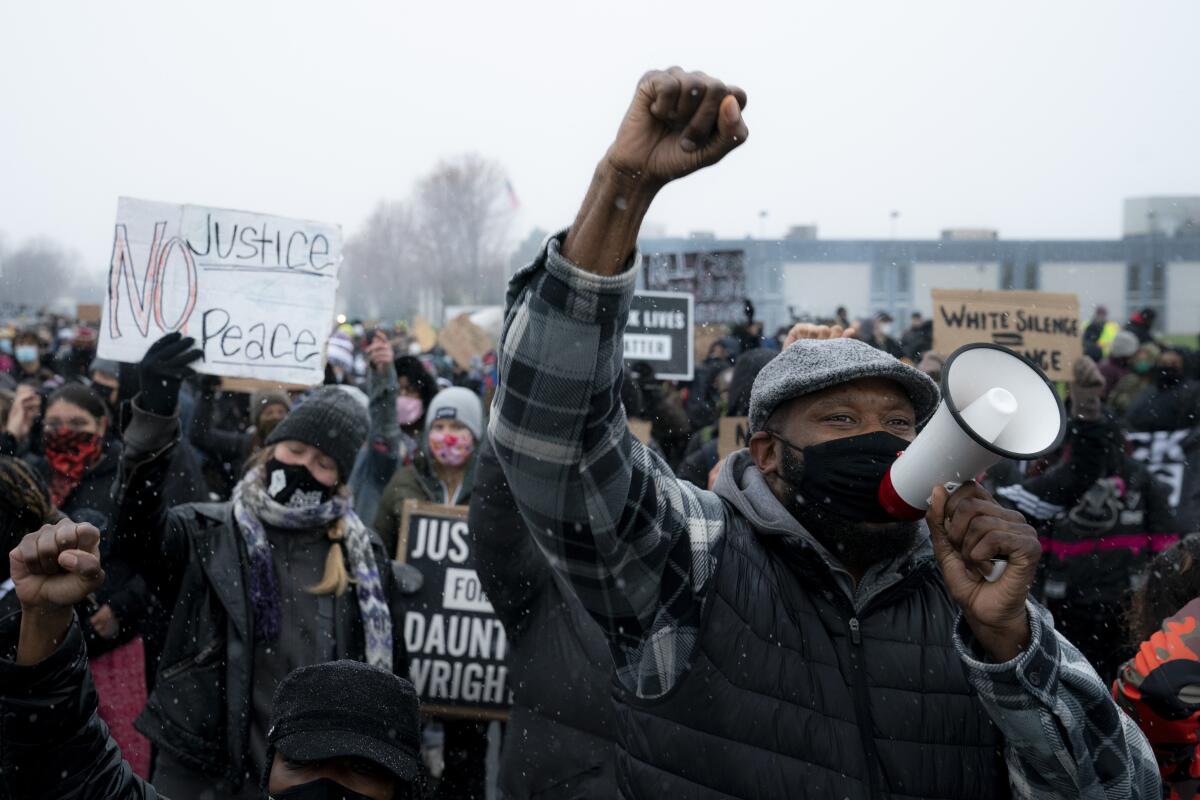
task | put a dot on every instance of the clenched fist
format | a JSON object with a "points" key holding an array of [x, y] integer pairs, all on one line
{"points": [[677, 123], [56, 567], [52, 571]]}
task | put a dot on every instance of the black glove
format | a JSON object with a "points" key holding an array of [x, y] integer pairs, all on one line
{"points": [[163, 369]]}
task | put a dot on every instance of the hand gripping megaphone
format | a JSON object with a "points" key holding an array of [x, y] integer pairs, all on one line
{"points": [[995, 404]]}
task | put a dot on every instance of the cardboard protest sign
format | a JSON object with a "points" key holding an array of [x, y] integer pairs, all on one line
{"points": [[256, 291], [463, 340], [1042, 326], [424, 333], [705, 336], [659, 332], [251, 385], [88, 312], [732, 435], [456, 645]]}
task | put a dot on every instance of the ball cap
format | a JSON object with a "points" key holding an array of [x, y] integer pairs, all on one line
{"points": [[811, 365], [347, 709]]}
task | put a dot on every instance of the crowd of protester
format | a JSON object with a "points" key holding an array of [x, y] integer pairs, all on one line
{"points": [[154, 448], [202, 595]]}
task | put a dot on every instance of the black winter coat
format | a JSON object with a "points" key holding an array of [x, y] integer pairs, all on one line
{"points": [[53, 745], [94, 500], [559, 742], [194, 558]]}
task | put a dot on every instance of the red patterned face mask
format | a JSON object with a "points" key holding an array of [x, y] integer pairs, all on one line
{"points": [[70, 453]]}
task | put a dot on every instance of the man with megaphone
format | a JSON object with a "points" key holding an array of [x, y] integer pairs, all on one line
{"points": [[796, 632]]}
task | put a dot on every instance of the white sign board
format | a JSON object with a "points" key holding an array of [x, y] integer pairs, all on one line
{"points": [[255, 291]]}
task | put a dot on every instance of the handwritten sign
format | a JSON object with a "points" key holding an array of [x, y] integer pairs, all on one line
{"points": [[732, 435], [659, 332], [256, 291], [456, 644], [1043, 327]]}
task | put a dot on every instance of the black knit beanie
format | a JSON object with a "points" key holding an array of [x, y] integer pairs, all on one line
{"points": [[330, 420]]}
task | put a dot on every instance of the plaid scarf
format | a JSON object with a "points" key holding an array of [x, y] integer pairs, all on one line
{"points": [[252, 507]]}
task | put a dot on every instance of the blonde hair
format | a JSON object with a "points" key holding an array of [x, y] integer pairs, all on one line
{"points": [[335, 580]]}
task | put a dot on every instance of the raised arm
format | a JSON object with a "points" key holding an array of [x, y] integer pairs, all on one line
{"points": [[635, 544]]}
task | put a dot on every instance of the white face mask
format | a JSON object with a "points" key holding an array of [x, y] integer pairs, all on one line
{"points": [[884, 328]]}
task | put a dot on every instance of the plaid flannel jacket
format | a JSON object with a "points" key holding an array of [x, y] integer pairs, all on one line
{"points": [[639, 546]]}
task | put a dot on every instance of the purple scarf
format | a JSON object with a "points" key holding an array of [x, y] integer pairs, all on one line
{"points": [[252, 507]]}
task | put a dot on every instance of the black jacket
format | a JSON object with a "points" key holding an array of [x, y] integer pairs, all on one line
{"points": [[53, 745], [559, 742], [194, 558], [94, 500]]}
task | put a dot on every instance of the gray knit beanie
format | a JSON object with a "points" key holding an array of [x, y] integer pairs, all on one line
{"points": [[811, 365], [331, 421], [457, 403], [1124, 345], [261, 398]]}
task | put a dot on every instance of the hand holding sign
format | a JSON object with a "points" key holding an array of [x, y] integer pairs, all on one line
{"points": [[163, 369]]}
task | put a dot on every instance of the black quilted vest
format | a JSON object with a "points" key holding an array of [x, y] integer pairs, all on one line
{"points": [[792, 695]]}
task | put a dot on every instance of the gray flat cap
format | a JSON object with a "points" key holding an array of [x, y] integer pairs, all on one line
{"points": [[811, 365]]}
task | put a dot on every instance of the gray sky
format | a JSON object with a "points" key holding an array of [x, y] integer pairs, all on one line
{"points": [[1035, 118]]}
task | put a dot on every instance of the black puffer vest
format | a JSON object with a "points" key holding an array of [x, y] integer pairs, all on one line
{"points": [[791, 694]]}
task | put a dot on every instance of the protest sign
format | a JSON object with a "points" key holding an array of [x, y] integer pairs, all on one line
{"points": [[463, 340], [88, 313], [424, 333], [659, 332], [456, 645], [732, 435], [251, 385], [1042, 326], [1172, 457], [705, 336], [256, 291]]}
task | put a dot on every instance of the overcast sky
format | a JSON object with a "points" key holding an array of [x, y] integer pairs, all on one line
{"points": [[1035, 118]]}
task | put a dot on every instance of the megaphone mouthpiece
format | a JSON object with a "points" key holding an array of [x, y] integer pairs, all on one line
{"points": [[990, 414], [995, 404]]}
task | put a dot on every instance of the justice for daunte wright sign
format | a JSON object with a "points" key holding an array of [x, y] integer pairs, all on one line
{"points": [[1041, 326], [456, 645], [256, 291]]}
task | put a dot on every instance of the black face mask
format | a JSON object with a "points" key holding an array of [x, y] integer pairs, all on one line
{"points": [[843, 475], [324, 789], [293, 485]]}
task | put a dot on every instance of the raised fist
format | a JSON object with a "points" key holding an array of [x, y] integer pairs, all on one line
{"points": [[56, 567], [678, 122]]}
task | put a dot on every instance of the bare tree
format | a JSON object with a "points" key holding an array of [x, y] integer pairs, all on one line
{"points": [[37, 273], [380, 268], [444, 246]]}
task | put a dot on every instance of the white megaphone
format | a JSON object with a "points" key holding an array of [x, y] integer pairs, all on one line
{"points": [[995, 404]]}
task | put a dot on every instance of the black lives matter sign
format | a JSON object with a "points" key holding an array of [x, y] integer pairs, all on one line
{"points": [[456, 645], [659, 332]]}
